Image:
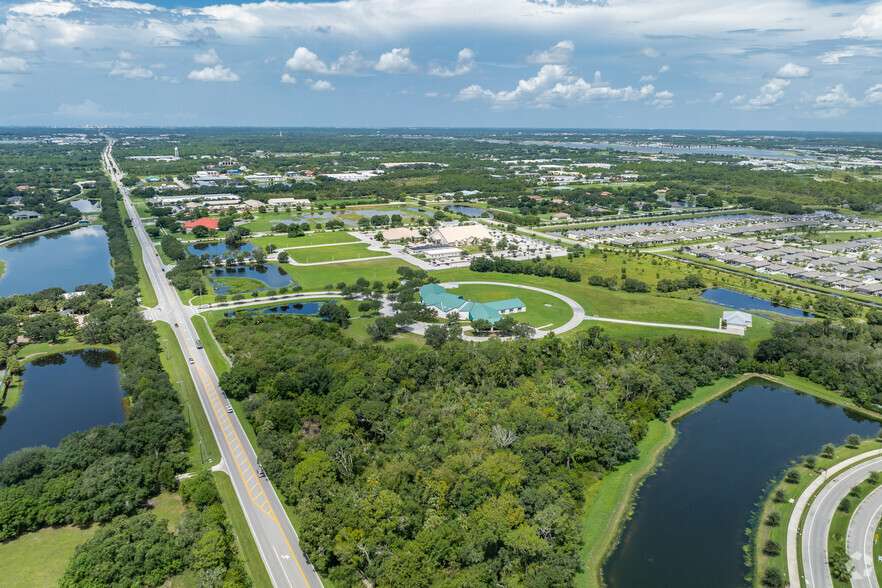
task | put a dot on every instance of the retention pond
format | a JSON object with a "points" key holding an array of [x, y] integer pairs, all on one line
{"points": [[688, 525], [63, 393]]}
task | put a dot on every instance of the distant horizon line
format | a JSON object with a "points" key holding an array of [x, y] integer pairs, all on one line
{"points": [[437, 128]]}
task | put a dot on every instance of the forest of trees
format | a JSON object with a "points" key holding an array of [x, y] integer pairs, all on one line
{"points": [[463, 465]]}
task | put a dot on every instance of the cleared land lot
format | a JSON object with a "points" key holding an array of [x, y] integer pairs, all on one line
{"points": [[537, 314], [336, 253], [40, 558], [281, 241]]}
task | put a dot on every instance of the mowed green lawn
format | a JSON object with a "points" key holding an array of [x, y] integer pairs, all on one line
{"points": [[281, 241], [335, 253], [40, 558], [315, 278], [537, 314], [599, 301]]}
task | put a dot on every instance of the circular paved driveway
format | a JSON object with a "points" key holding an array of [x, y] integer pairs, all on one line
{"points": [[578, 311]]}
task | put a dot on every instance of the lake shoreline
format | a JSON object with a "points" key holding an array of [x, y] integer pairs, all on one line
{"points": [[602, 528]]}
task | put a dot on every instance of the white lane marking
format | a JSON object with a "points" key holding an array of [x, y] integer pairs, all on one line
{"points": [[283, 566]]}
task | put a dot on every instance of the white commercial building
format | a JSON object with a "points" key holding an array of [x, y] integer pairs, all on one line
{"points": [[461, 235]]}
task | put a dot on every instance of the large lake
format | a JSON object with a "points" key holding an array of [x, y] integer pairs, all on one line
{"points": [[63, 393], [688, 524], [66, 259]]}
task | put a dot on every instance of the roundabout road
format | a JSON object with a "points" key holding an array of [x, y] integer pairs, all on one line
{"points": [[860, 539], [819, 517]]}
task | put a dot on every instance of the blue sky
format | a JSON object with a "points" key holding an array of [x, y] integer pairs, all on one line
{"points": [[746, 64]]}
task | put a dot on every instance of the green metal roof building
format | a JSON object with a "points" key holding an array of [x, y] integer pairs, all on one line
{"points": [[437, 297]]}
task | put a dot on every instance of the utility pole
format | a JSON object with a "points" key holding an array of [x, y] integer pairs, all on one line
{"points": [[165, 342], [180, 390]]}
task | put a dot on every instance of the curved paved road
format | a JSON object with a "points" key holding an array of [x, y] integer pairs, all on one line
{"points": [[860, 537], [819, 517], [793, 530], [578, 311]]}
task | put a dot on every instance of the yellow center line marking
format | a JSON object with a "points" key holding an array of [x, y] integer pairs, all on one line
{"points": [[218, 414]]}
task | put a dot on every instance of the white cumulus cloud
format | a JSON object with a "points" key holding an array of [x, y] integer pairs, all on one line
{"points": [[306, 61], [559, 54], [718, 97], [663, 99], [210, 57], [396, 61], [13, 65], [836, 57], [770, 94], [288, 79], [555, 85], [218, 73], [868, 25], [321, 86], [650, 53], [17, 42], [792, 70], [465, 63], [121, 69]]}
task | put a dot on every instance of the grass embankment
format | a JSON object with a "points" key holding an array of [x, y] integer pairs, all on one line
{"points": [[609, 499], [247, 547], [762, 532], [283, 241], [148, 295], [40, 558], [178, 369], [344, 252], [760, 330]]}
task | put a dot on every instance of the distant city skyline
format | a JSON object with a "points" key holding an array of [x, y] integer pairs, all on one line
{"points": [[784, 65]]}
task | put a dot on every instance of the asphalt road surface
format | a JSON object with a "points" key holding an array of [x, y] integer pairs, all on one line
{"points": [[860, 538], [275, 536], [819, 517]]}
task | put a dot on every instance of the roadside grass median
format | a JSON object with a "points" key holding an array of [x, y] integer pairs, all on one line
{"points": [[773, 502], [148, 295], [177, 367], [248, 551]]}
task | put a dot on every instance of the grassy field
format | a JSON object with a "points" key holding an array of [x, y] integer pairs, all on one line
{"points": [[40, 558], [336, 253], [178, 370], [315, 278], [760, 330], [148, 296], [282, 241], [247, 547], [839, 236], [167, 506], [542, 310], [609, 499]]}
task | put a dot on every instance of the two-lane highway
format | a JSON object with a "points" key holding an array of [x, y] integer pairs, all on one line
{"points": [[272, 530]]}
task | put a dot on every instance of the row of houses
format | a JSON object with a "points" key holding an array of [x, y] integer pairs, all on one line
{"points": [[817, 266]]}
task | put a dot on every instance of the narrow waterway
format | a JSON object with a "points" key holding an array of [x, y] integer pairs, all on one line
{"points": [[688, 525], [63, 393]]}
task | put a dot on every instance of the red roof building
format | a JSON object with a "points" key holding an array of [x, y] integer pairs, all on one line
{"points": [[208, 223]]}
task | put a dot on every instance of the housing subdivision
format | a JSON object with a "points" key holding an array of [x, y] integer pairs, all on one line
{"points": [[854, 265]]}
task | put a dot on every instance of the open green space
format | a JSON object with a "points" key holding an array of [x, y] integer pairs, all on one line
{"points": [[148, 295], [167, 506], [282, 241], [760, 330], [315, 278], [352, 251], [542, 310], [839, 236], [178, 369], [63, 345], [40, 558], [247, 547]]}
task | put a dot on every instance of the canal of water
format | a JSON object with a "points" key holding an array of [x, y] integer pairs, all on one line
{"points": [[688, 525], [66, 259], [63, 393]]}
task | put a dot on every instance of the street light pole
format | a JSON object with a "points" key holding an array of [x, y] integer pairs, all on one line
{"points": [[165, 342]]}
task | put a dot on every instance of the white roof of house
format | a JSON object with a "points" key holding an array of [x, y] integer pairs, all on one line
{"points": [[737, 317]]}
